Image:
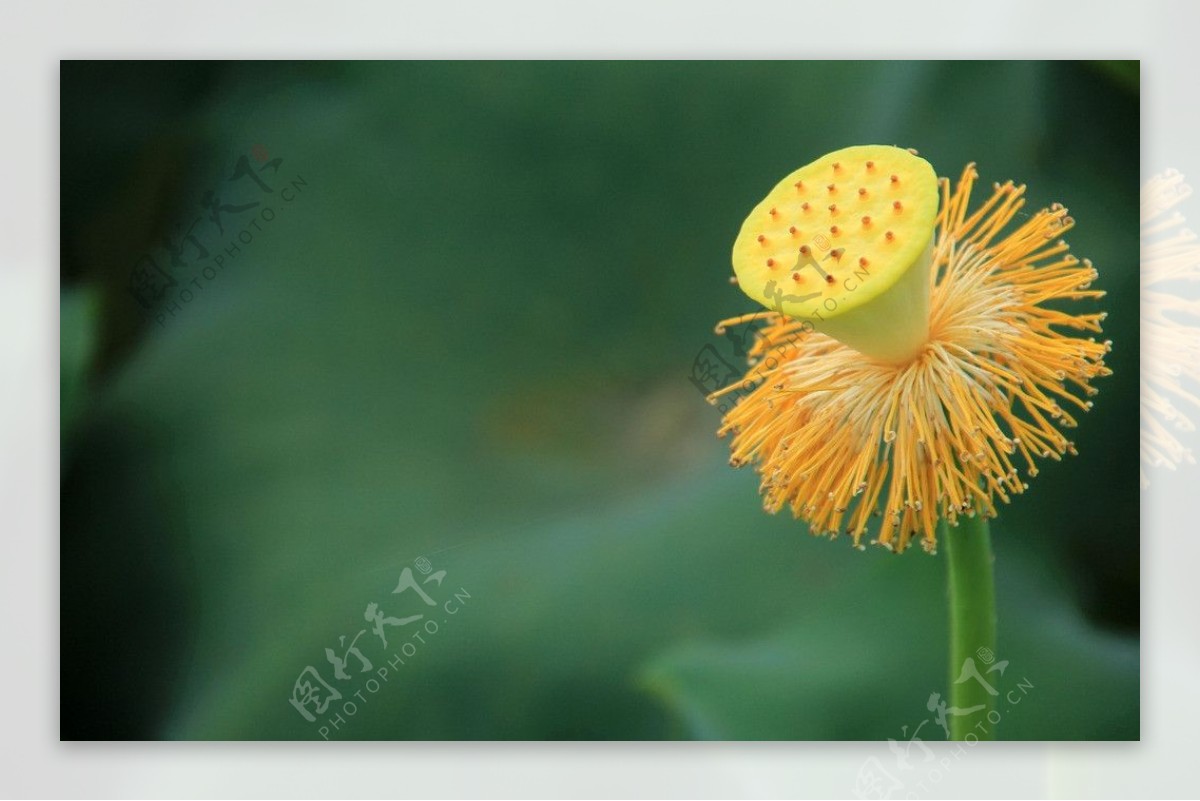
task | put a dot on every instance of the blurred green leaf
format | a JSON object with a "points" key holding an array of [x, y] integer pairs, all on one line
{"points": [[78, 326], [1126, 74], [839, 673]]}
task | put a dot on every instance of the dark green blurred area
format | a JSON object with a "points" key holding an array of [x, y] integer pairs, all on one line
{"points": [[468, 337]]}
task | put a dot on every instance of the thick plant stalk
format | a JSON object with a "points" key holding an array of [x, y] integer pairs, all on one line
{"points": [[971, 593]]}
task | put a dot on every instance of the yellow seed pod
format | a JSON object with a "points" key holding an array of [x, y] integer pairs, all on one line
{"points": [[845, 243]]}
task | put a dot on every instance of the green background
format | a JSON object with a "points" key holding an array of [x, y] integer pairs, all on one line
{"points": [[468, 337]]}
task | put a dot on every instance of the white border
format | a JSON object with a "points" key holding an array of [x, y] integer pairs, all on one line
{"points": [[34, 36]]}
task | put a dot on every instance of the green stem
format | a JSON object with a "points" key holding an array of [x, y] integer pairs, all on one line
{"points": [[972, 595]]}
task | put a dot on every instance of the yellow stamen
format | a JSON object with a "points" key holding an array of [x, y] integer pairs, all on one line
{"points": [[838, 436]]}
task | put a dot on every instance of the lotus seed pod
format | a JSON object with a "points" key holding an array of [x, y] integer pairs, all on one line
{"points": [[846, 243]]}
